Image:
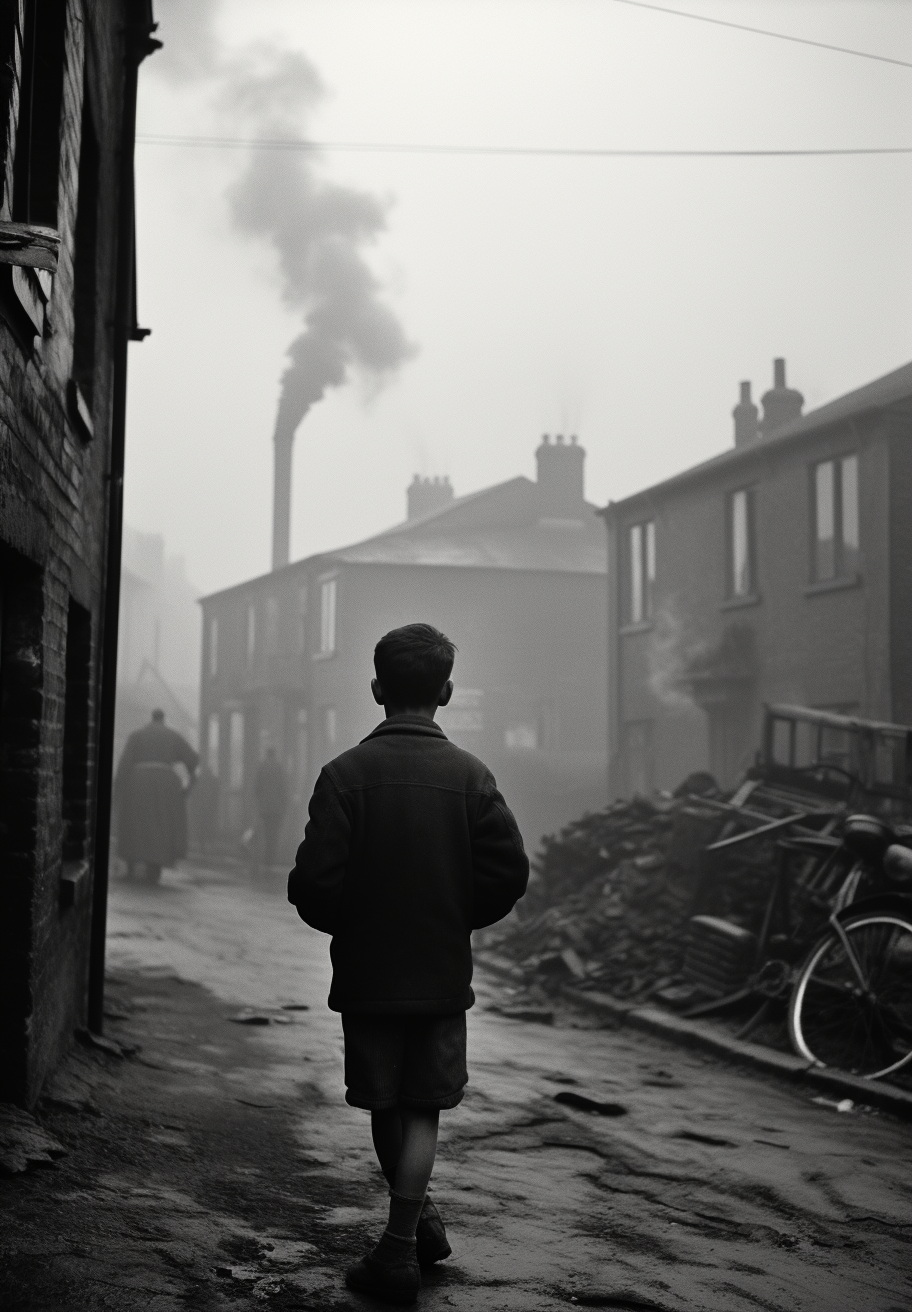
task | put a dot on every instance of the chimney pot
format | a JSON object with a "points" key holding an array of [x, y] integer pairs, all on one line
{"points": [[425, 495], [746, 416], [781, 404], [560, 478]]}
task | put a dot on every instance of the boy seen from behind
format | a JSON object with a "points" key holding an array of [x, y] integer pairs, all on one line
{"points": [[408, 848]]}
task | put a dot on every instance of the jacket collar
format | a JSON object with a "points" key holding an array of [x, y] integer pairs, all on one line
{"points": [[407, 723]]}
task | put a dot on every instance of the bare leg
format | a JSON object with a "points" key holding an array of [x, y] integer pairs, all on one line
{"points": [[419, 1148], [386, 1131]]}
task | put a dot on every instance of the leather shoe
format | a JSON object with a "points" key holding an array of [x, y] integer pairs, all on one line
{"points": [[389, 1273], [431, 1243]]}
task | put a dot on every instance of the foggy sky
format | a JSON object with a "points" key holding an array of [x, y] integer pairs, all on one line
{"points": [[621, 300]]}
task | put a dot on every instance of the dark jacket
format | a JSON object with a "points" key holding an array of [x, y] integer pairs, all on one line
{"points": [[409, 847]]}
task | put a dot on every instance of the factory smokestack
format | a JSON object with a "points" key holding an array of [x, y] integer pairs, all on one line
{"points": [[281, 499], [318, 230]]}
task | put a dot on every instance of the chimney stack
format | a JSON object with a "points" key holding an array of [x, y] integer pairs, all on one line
{"points": [[425, 495], [746, 417], [281, 499], [560, 477], [781, 404]]}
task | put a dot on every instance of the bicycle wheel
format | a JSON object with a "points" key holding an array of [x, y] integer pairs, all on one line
{"points": [[853, 1009]]}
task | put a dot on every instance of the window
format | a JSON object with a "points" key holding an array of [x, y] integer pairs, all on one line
{"points": [[327, 617], [36, 166], [302, 617], [251, 635], [213, 647], [641, 562], [271, 638], [742, 566], [835, 543], [236, 750], [212, 744], [75, 792], [86, 255]]}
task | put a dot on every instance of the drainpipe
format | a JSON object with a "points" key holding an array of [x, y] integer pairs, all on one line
{"points": [[138, 42]]}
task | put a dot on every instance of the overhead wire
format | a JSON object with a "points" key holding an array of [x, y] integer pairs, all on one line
{"points": [[582, 152], [762, 31], [417, 148]]}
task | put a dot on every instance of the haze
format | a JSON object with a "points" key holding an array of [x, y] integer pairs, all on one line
{"points": [[620, 300]]}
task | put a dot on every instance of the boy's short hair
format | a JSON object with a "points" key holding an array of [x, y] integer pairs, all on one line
{"points": [[413, 663]]}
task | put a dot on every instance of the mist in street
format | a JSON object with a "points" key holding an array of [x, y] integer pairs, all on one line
{"points": [[620, 299], [455, 655]]}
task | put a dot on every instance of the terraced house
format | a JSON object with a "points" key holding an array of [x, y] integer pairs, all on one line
{"points": [[514, 574], [67, 312], [779, 571]]}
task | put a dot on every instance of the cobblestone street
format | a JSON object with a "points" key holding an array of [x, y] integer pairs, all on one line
{"points": [[218, 1167]]}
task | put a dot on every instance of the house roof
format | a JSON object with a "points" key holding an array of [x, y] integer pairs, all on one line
{"points": [[499, 527], [891, 392]]}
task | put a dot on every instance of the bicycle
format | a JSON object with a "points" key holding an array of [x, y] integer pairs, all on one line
{"points": [[851, 1001]]}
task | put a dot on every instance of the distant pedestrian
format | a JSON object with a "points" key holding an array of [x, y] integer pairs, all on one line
{"points": [[151, 799], [270, 789], [408, 848]]}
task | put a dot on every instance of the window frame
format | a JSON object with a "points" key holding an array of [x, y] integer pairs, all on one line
{"points": [[213, 646], [845, 554], [750, 590], [213, 743], [250, 634], [639, 572], [329, 616]]}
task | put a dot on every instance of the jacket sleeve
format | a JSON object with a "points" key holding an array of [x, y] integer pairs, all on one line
{"points": [[499, 862], [315, 883]]}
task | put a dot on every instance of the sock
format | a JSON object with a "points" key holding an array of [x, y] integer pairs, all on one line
{"points": [[404, 1214]]}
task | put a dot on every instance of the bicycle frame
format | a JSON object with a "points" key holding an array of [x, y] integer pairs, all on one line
{"points": [[846, 907]]}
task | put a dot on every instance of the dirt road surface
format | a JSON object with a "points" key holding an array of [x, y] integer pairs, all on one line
{"points": [[220, 1168]]}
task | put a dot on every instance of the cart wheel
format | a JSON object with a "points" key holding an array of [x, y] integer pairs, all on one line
{"points": [[852, 1007]]}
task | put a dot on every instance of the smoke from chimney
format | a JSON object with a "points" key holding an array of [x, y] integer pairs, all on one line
{"points": [[318, 229]]}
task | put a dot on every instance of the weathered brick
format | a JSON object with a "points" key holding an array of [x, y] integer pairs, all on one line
{"points": [[53, 514]]}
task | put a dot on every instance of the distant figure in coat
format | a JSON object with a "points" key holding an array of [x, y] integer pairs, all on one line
{"points": [[151, 799], [271, 791]]}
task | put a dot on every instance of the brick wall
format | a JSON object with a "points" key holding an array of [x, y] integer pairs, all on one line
{"points": [[52, 541]]}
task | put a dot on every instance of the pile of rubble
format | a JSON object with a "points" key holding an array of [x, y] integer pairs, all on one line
{"points": [[611, 896]]}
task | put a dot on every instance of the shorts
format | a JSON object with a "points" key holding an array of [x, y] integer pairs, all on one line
{"points": [[404, 1061]]}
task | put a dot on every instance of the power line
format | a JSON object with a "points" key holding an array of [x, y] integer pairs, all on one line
{"points": [[762, 31], [581, 152]]}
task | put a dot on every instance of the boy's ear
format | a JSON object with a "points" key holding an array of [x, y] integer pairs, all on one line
{"points": [[446, 693], [377, 691]]}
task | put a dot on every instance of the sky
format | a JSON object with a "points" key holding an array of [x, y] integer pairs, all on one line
{"points": [[621, 300]]}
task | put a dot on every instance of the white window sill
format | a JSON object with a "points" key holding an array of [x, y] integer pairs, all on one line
{"points": [[637, 626], [736, 603], [324, 655]]}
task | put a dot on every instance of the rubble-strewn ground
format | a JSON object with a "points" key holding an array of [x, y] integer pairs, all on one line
{"points": [[219, 1167]]}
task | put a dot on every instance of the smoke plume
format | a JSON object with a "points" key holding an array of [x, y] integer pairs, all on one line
{"points": [[319, 230]]}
